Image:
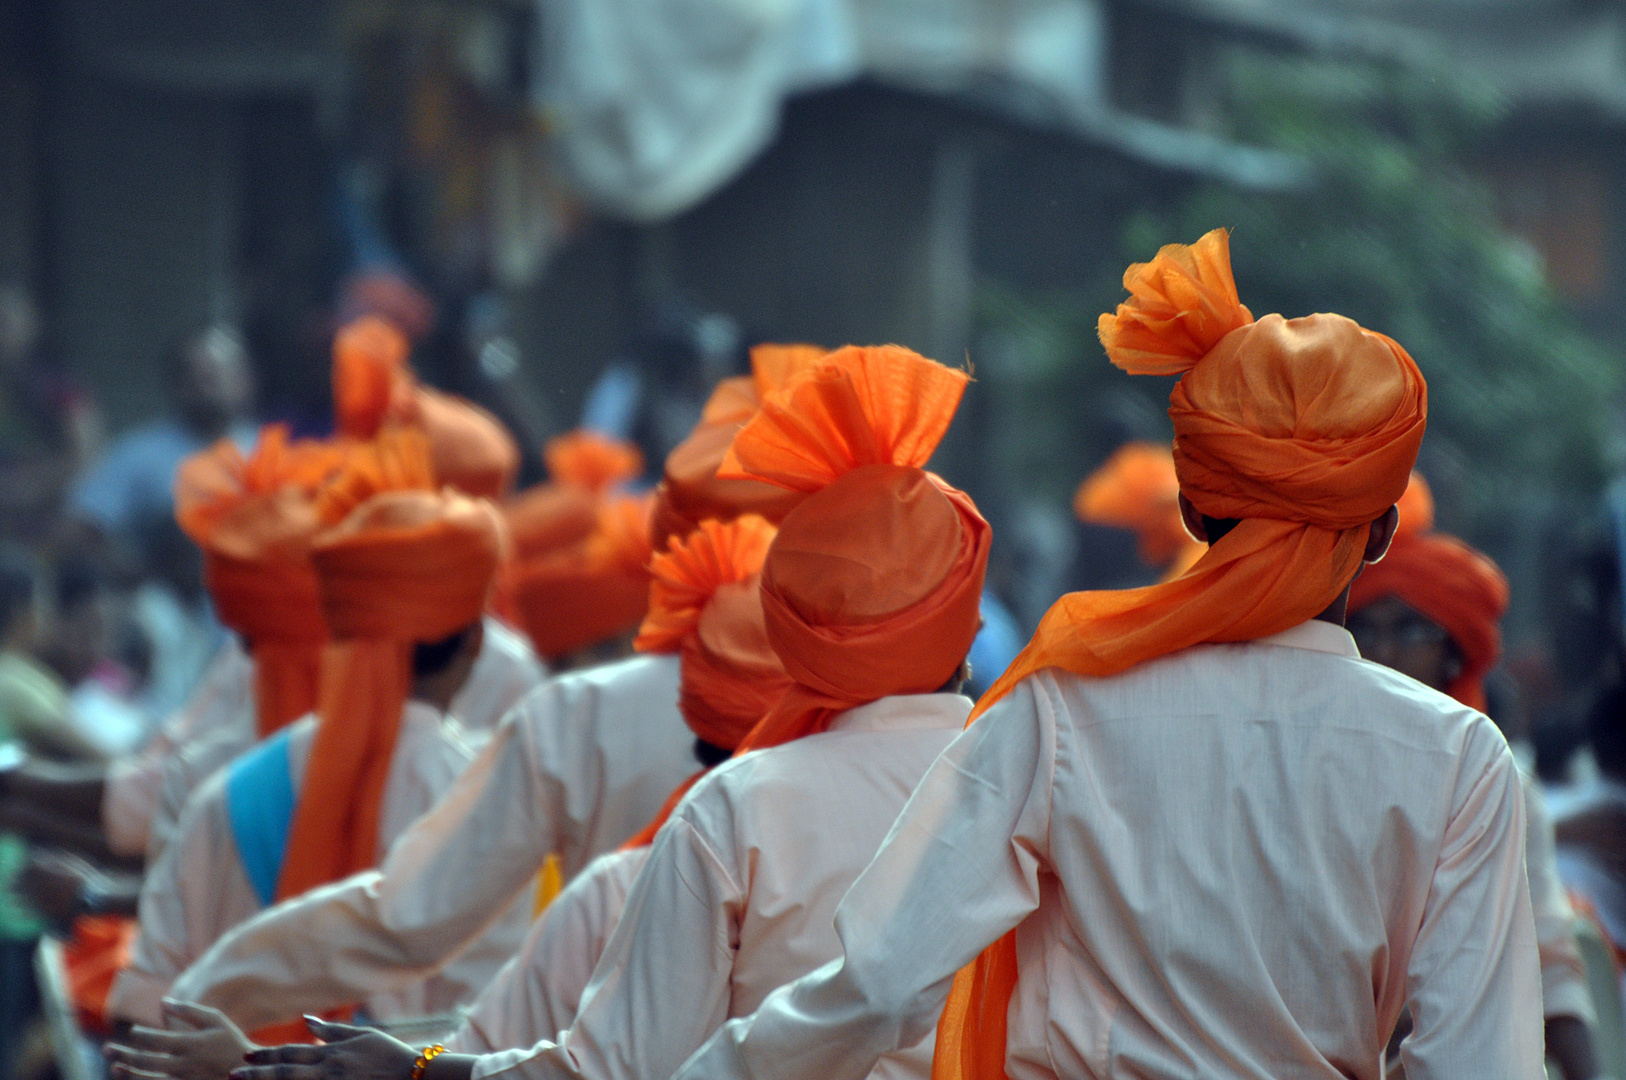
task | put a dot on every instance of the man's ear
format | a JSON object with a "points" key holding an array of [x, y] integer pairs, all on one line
{"points": [[1382, 532], [1193, 520]]}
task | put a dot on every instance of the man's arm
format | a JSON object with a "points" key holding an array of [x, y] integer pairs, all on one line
{"points": [[441, 885], [1474, 979], [958, 870]]}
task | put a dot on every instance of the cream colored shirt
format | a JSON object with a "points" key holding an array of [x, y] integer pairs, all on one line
{"points": [[537, 993], [738, 894], [1233, 861], [198, 890], [1564, 989], [147, 795], [582, 763]]}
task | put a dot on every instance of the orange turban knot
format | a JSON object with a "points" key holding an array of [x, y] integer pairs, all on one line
{"points": [[1304, 429], [254, 519], [582, 467], [373, 387], [872, 586], [403, 567], [690, 490], [1449, 583], [1137, 489]]}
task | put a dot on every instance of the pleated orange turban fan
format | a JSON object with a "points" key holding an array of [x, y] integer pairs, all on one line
{"points": [[690, 490], [254, 519], [1304, 429], [705, 603], [872, 586], [1449, 583], [582, 467], [1137, 489], [373, 387], [403, 567]]}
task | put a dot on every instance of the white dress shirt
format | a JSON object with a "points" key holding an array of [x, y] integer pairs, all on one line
{"points": [[1564, 988], [198, 889], [582, 763], [1233, 861], [738, 893], [537, 993]]}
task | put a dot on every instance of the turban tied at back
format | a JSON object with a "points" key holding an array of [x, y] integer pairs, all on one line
{"points": [[872, 586], [1446, 581], [690, 490], [582, 467], [1137, 489], [403, 567], [1303, 429], [254, 518], [705, 604], [374, 387]]}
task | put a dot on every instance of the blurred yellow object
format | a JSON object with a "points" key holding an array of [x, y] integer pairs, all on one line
{"points": [[549, 884]]}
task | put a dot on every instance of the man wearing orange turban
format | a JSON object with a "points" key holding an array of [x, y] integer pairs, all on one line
{"points": [[869, 597], [403, 581], [1431, 610], [1202, 835], [1137, 489]]}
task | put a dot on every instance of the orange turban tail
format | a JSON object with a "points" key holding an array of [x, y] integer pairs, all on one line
{"points": [[1449, 583], [254, 519], [690, 490], [404, 567], [873, 584], [1304, 429]]}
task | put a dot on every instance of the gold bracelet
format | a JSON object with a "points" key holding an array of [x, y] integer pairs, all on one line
{"points": [[430, 1053]]}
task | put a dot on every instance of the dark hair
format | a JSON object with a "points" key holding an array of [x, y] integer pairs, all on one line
{"points": [[433, 657], [78, 578], [1214, 528], [19, 577], [710, 754], [1606, 727]]}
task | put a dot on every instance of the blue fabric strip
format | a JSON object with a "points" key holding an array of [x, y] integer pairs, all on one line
{"points": [[260, 806]]}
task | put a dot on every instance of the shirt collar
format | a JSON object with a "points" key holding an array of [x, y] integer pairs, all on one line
{"points": [[1316, 635], [907, 712]]}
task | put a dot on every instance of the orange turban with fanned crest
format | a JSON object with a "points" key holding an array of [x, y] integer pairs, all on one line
{"points": [[1449, 583], [373, 387], [873, 584], [1137, 489], [254, 518], [690, 490], [403, 567], [582, 467], [1304, 429]]}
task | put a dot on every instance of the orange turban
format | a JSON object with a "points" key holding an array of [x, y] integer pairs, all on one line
{"points": [[690, 490], [374, 387], [254, 519], [873, 584], [403, 567], [1304, 429], [1449, 583], [582, 466], [1137, 489]]}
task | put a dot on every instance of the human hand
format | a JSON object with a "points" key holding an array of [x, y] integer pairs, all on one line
{"points": [[54, 882], [347, 1053], [206, 1046]]}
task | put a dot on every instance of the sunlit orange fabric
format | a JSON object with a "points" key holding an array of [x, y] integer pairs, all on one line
{"points": [[404, 567], [873, 584], [591, 460], [690, 490], [254, 518], [590, 591], [370, 375], [1136, 489], [92, 957], [582, 467], [396, 460], [1305, 429], [1449, 583]]}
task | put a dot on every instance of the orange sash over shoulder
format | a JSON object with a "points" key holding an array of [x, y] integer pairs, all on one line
{"points": [[1304, 429]]}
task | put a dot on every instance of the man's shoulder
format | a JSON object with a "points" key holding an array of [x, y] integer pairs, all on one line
{"points": [[621, 690]]}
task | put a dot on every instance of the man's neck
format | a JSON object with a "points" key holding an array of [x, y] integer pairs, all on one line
{"points": [[1337, 610]]}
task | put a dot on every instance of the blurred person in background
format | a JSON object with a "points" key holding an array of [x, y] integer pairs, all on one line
{"points": [[1591, 821], [1431, 610]]}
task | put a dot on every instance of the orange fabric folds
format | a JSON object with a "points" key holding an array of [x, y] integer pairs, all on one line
{"points": [[872, 586], [1304, 429], [254, 518], [1137, 489], [403, 567], [1449, 583], [690, 490]]}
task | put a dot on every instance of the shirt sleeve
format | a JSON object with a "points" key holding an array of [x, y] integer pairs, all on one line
{"points": [[959, 869], [663, 983], [1564, 989], [444, 881], [1474, 971]]}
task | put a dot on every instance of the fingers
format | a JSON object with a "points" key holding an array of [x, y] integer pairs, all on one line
{"points": [[283, 1071], [292, 1054], [146, 1038], [330, 1031], [120, 1071], [193, 1014], [141, 1060]]}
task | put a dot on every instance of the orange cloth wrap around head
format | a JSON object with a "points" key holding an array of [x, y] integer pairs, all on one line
{"points": [[690, 490], [1137, 489], [254, 519], [1305, 429], [1449, 583], [873, 584], [403, 567], [582, 467]]}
